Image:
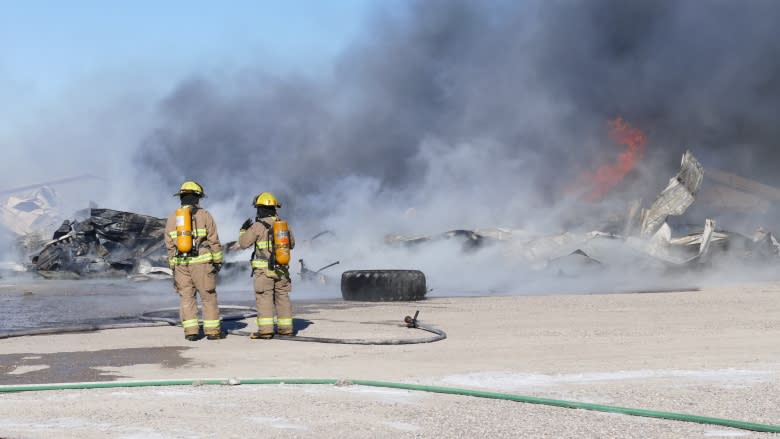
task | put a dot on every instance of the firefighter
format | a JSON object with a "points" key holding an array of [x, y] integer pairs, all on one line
{"points": [[271, 280], [195, 268]]}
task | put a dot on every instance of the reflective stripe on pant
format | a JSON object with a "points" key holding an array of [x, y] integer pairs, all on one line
{"points": [[187, 280], [269, 291]]}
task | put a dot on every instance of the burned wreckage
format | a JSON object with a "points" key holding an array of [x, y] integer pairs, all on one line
{"points": [[112, 243], [643, 234], [107, 242]]}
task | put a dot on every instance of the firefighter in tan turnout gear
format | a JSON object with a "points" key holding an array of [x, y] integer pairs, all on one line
{"points": [[195, 256], [272, 242]]}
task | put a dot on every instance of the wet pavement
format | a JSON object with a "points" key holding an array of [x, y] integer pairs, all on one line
{"points": [[65, 303], [61, 303], [68, 367], [34, 304]]}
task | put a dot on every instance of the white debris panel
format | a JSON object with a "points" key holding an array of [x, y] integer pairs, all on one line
{"points": [[677, 197]]}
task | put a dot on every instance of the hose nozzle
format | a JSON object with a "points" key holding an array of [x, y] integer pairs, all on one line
{"points": [[412, 321]]}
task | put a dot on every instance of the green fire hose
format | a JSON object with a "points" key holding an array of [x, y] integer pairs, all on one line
{"points": [[415, 387]]}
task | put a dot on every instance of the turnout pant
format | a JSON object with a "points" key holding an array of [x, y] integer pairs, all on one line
{"points": [[188, 279], [273, 289]]}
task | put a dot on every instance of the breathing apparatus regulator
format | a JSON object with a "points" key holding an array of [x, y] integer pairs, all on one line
{"points": [[184, 242], [280, 231]]}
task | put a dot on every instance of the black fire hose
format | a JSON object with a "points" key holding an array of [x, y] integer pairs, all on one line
{"points": [[149, 319], [411, 322], [158, 315], [157, 318], [77, 328]]}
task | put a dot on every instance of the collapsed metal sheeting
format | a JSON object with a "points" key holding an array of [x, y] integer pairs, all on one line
{"points": [[678, 251], [656, 239], [647, 238], [30, 213], [30, 209], [677, 196], [107, 242], [765, 243]]}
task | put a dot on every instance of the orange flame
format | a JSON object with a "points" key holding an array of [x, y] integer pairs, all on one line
{"points": [[608, 176]]}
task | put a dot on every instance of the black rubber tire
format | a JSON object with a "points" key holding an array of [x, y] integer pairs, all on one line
{"points": [[383, 285]]}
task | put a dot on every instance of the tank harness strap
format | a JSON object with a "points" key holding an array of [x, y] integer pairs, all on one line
{"points": [[267, 244]]}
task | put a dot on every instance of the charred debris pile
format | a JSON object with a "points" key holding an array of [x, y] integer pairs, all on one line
{"points": [[111, 243], [106, 243]]}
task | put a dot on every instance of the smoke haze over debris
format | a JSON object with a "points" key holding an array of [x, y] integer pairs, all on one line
{"points": [[449, 114]]}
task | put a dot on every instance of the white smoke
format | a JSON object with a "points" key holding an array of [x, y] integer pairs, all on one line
{"points": [[451, 115]]}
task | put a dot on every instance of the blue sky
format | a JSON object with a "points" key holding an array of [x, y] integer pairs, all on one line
{"points": [[48, 45], [79, 74]]}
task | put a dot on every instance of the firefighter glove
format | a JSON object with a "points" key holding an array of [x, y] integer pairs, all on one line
{"points": [[217, 267], [247, 224]]}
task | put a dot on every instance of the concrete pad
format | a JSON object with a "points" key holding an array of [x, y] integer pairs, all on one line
{"points": [[712, 352]]}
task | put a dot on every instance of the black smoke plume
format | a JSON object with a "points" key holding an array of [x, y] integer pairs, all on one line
{"points": [[495, 99]]}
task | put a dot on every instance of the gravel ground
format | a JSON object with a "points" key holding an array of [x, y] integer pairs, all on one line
{"points": [[314, 411], [710, 353]]}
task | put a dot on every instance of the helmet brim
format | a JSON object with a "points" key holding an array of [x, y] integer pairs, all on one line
{"points": [[180, 193]]}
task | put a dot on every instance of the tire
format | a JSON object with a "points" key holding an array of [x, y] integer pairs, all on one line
{"points": [[383, 285]]}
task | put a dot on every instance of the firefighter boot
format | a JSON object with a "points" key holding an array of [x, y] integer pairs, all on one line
{"points": [[192, 337], [260, 336]]}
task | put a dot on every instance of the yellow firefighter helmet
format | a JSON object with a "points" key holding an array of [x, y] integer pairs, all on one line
{"points": [[190, 187], [266, 199]]}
